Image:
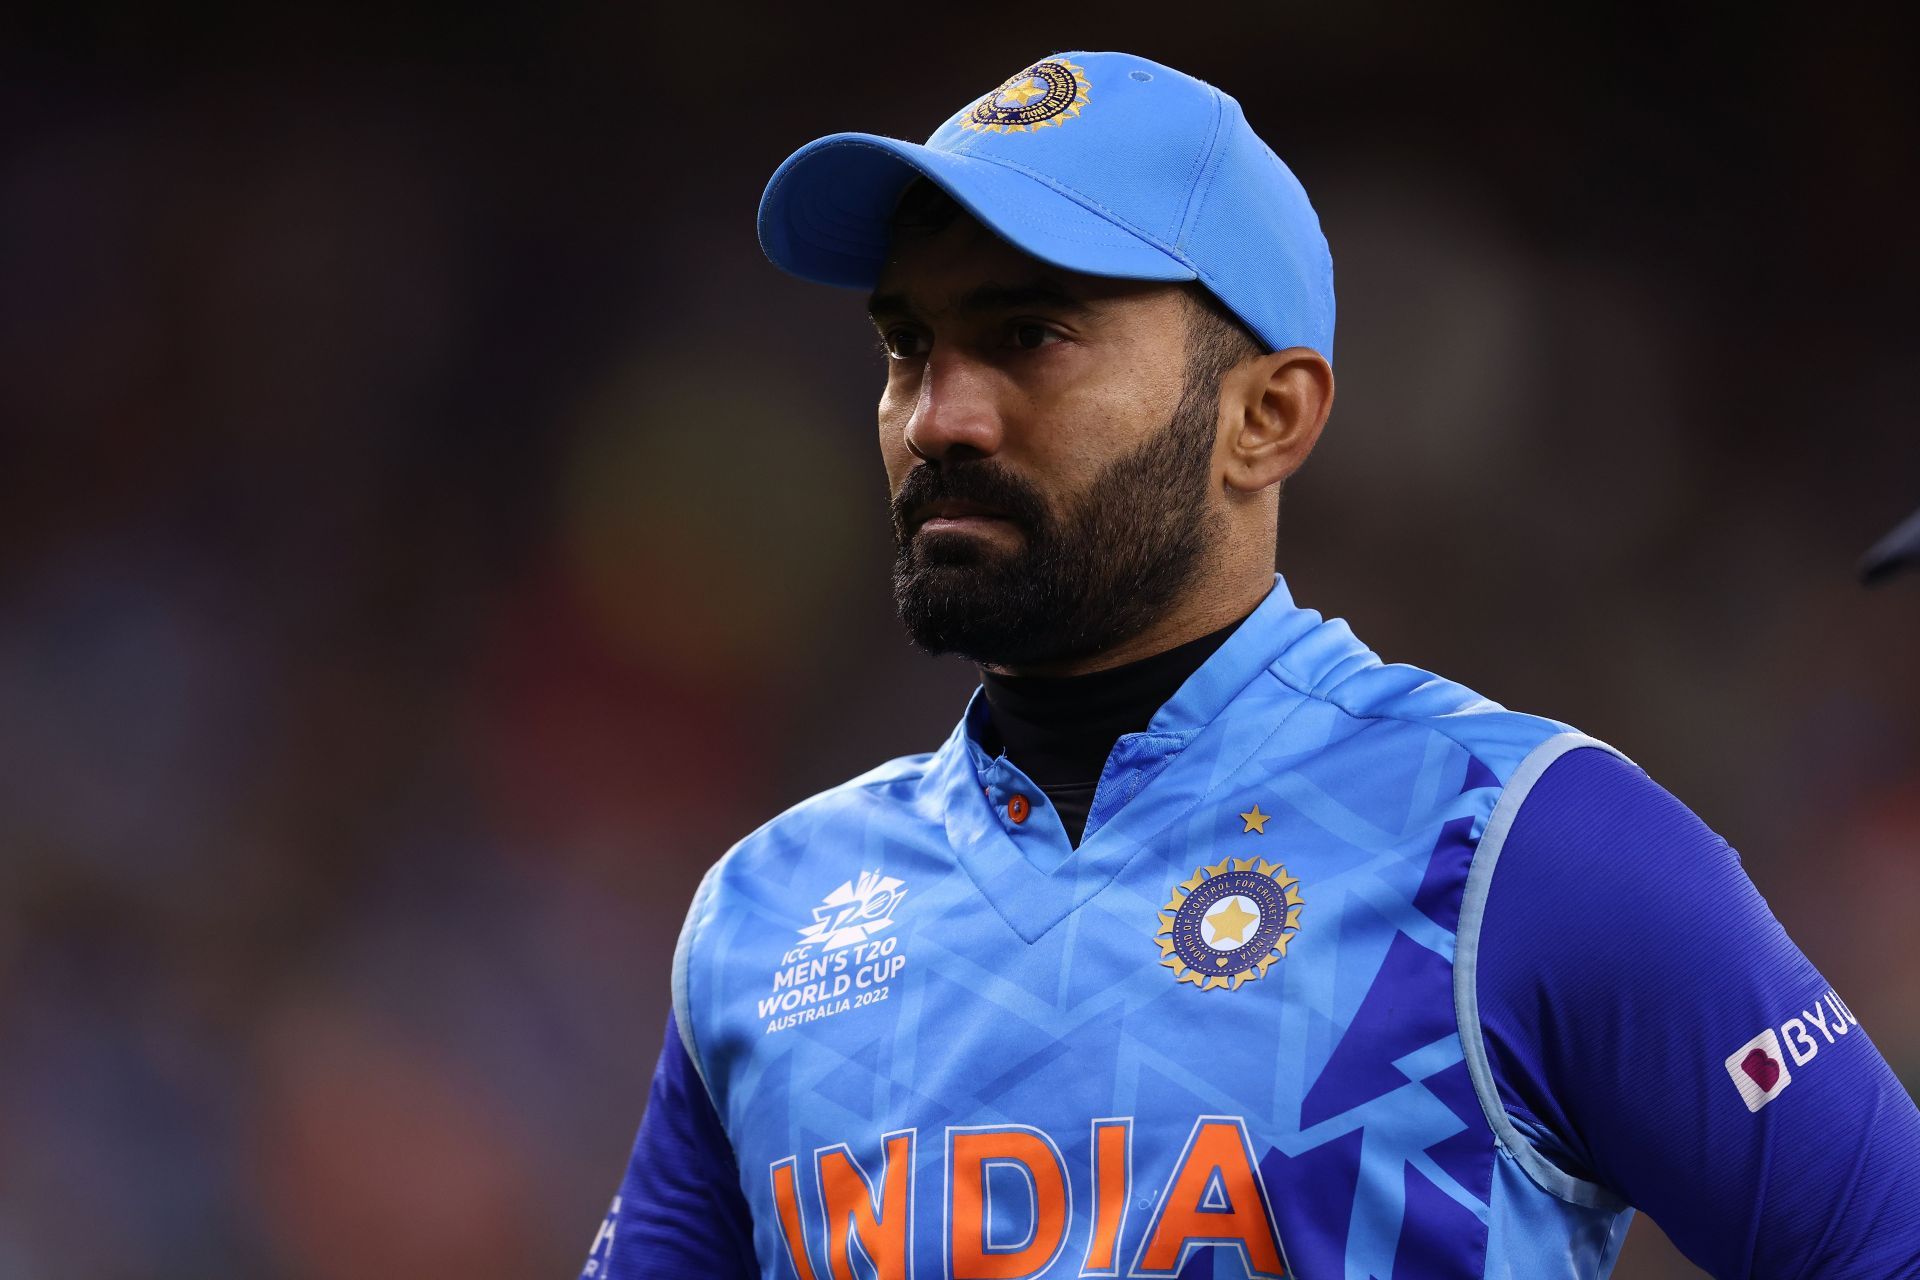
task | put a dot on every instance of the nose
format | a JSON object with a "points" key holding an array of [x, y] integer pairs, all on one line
{"points": [[956, 415]]}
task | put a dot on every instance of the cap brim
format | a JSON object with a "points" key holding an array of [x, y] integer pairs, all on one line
{"points": [[827, 211], [1897, 550]]}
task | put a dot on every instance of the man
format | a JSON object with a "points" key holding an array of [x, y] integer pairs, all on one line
{"points": [[1208, 944]]}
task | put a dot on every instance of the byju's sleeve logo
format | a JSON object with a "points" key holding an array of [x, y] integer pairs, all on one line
{"points": [[1759, 1070], [854, 912]]}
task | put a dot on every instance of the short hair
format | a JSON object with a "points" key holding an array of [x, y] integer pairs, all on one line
{"points": [[1217, 339]]}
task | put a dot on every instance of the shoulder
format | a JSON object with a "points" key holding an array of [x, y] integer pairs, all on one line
{"points": [[1597, 898], [764, 863], [1589, 828], [1389, 698], [1600, 862], [895, 789], [833, 824]]}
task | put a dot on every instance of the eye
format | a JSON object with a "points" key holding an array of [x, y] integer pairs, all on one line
{"points": [[902, 343], [1030, 335]]}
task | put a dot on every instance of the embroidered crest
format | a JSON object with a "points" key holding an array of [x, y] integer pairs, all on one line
{"points": [[1229, 922], [1046, 93]]}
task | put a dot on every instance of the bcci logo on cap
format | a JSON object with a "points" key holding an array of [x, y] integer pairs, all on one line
{"points": [[1230, 922], [1046, 93], [853, 913]]}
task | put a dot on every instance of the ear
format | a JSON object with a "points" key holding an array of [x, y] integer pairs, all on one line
{"points": [[1272, 408]]}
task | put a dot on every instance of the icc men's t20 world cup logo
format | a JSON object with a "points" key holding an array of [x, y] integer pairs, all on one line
{"points": [[853, 913], [839, 964]]}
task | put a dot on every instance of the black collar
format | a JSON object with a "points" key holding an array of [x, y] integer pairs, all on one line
{"points": [[1060, 729]]}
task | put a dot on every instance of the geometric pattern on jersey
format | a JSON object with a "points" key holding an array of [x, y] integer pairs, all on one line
{"points": [[988, 1070]]}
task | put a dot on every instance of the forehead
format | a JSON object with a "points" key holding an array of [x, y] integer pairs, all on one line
{"points": [[930, 271]]}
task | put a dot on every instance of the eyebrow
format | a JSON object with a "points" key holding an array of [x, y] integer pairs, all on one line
{"points": [[1047, 294]]}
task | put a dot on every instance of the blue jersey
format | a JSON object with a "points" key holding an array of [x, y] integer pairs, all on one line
{"points": [[1335, 985]]}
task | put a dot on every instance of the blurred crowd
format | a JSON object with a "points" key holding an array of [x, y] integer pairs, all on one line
{"points": [[430, 534]]}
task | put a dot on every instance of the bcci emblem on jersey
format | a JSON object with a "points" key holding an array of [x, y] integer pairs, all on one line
{"points": [[1229, 922]]}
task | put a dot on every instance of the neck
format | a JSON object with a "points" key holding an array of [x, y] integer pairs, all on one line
{"points": [[1059, 730]]}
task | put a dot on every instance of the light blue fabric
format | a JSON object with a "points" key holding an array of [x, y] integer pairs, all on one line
{"points": [[902, 956], [1538, 1238]]}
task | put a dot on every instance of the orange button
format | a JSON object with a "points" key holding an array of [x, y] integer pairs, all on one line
{"points": [[1017, 808]]}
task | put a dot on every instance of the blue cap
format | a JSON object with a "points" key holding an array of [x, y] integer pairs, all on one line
{"points": [[1102, 163]]}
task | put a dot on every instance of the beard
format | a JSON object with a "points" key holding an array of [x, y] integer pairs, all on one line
{"points": [[1092, 576]]}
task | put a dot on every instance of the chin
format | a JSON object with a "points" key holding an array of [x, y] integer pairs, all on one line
{"points": [[951, 550]]}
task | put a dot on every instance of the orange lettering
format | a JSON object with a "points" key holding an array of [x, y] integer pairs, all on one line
{"points": [[786, 1201], [882, 1225], [1214, 1197], [971, 1153], [1112, 1176]]}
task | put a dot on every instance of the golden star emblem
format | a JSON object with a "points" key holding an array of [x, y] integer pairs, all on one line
{"points": [[1229, 917], [1256, 821], [1026, 91], [1231, 922]]}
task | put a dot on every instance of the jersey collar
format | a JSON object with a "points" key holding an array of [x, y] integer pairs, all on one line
{"points": [[1027, 869]]}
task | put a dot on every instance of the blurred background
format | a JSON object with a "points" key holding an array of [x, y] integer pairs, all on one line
{"points": [[430, 533]]}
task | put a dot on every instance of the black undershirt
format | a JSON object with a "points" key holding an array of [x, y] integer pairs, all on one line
{"points": [[1060, 729]]}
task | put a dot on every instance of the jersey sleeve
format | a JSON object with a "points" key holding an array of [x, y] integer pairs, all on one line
{"points": [[680, 1214], [1651, 1029]]}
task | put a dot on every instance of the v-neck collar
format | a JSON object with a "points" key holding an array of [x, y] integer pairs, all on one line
{"points": [[1029, 872]]}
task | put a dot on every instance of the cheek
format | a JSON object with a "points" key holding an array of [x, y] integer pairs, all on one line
{"points": [[1083, 434], [894, 455], [896, 462]]}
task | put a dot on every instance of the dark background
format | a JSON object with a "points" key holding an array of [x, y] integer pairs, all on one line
{"points": [[430, 533]]}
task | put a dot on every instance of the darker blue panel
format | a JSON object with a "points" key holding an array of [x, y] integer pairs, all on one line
{"points": [[1312, 1195], [1612, 899], [1410, 1004], [682, 1171], [1446, 878], [1467, 1155], [1454, 1086], [1478, 776], [1440, 1239]]}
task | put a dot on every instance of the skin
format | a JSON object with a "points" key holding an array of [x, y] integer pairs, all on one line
{"points": [[1052, 373]]}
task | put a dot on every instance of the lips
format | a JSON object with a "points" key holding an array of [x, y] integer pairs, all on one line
{"points": [[954, 510], [975, 501]]}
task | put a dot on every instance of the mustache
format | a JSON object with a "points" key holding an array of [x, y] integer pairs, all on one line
{"points": [[982, 482]]}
